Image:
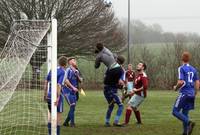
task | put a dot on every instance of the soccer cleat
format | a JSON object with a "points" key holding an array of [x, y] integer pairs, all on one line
{"points": [[66, 124], [125, 124], [138, 123], [72, 125], [184, 134], [107, 124], [118, 125], [190, 127]]}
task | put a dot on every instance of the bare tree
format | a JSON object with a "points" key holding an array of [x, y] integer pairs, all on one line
{"points": [[81, 24]]}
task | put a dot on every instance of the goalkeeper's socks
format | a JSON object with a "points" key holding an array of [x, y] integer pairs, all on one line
{"points": [[137, 115], [128, 115], [119, 113], [58, 129], [49, 128], [109, 111]]}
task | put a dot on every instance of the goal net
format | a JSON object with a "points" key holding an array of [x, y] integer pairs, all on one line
{"points": [[23, 68]]}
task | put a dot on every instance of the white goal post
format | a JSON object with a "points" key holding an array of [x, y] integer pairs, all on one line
{"points": [[30, 52]]}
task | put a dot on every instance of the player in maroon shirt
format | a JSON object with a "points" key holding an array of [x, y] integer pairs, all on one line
{"points": [[139, 94], [130, 77]]}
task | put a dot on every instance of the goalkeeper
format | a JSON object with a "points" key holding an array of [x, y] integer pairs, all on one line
{"points": [[111, 81]]}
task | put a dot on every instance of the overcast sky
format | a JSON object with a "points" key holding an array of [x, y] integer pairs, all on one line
{"points": [[172, 15]]}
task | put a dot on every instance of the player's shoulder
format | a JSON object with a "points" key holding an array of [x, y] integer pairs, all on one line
{"points": [[144, 75], [190, 67], [61, 70]]}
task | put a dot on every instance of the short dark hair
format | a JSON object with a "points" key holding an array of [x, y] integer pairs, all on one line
{"points": [[120, 59], [99, 47], [70, 58], [62, 61], [186, 56], [144, 65]]}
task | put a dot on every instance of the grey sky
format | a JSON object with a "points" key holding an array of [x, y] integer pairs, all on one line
{"points": [[172, 15]]}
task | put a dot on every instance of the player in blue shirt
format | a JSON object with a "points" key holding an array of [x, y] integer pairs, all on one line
{"points": [[70, 90], [47, 93], [112, 97], [188, 84]]}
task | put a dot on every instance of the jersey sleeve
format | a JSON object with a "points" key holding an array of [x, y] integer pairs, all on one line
{"points": [[180, 74], [123, 76], [145, 85], [98, 61], [60, 77]]}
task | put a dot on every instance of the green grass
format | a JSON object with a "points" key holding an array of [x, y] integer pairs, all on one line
{"points": [[90, 114], [155, 112]]}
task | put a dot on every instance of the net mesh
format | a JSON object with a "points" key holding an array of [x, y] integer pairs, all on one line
{"points": [[22, 70]]}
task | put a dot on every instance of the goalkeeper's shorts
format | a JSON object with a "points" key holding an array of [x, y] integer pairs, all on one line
{"points": [[59, 107], [111, 95]]}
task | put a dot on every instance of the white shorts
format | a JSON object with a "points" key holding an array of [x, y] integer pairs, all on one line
{"points": [[135, 101], [129, 87]]}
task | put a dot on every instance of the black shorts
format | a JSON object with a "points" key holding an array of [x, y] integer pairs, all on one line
{"points": [[112, 76]]}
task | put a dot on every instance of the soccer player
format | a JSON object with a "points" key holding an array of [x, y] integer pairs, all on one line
{"points": [[47, 93], [139, 94], [188, 84], [112, 97], [70, 90], [104, 55], [130, 76]]}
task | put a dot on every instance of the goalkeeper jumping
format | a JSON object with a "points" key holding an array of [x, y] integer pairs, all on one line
{"points": [[111, 82]]}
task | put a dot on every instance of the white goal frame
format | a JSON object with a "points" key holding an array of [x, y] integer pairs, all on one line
{"points": [[52, 65]]}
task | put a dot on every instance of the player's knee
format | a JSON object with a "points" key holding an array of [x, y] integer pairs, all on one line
{"points": [[111, 106], [174, 111], [59, 118], [121, 106], [72, 107]]}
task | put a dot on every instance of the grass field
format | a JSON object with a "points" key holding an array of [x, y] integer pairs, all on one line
{"points": [[156, 116], [90, 114]]}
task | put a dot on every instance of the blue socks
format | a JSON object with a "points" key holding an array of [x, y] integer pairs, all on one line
{"points": [[58, 129], [71, 113], [119, 113], [185, 125], [183, 117], [49, 128], [109, 111]]}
